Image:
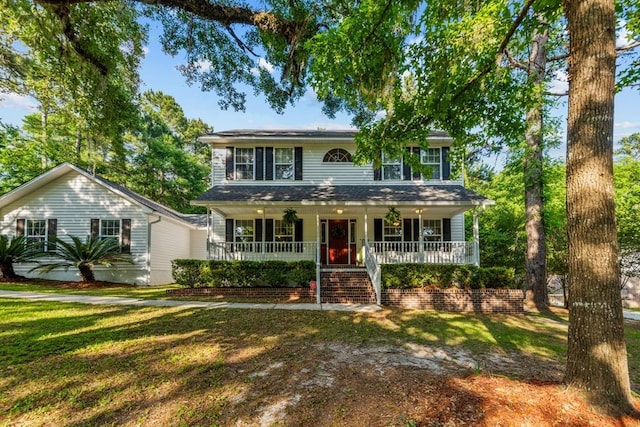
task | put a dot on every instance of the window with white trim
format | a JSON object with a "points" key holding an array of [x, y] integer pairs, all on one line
{"points": [[110, 229], [245, 161], [431, 157], [391, 167], [243, 231], [283, 163], [392, 232], [337, 155], [282, 231], [36, 232], [432, 230]]}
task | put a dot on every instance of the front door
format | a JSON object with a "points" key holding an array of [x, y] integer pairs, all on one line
{"points": [[338, 237]]}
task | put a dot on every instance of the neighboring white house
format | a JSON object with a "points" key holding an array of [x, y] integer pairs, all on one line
{"points": [[341, 206], [68, 200]]}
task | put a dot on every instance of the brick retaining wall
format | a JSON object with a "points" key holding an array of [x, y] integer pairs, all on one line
{"points": [[507, 301], [284, 294]]}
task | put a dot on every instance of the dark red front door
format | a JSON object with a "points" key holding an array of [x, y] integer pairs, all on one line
{"points": [[338, 241]]}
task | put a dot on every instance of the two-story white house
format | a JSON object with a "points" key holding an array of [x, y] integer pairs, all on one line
{"points": [[258, 174]]}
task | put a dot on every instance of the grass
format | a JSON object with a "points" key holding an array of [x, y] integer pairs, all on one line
{"points": [[143, 292], [71, 364]]}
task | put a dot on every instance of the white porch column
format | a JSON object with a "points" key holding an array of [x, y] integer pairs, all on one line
{"points": [[209, 231], [317, 256], [421, 236], [264, 232], [476, 238], [366, 225]]}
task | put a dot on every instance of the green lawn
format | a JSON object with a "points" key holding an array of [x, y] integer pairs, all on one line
{"points": [[71, 364]]}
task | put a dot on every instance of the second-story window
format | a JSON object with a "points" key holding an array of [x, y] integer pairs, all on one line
{"points": [[431, 157], [283, 163], [244, 163], [391, 167]]}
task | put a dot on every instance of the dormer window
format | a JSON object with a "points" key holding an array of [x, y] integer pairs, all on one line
{"points": [[337, 155]]}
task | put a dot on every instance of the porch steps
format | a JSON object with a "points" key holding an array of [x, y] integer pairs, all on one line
{"points": [[346, 286]]}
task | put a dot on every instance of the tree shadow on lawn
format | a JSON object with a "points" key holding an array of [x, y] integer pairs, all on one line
{"points": [[77, 365]]}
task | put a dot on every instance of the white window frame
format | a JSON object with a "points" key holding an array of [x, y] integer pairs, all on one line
{"points": [[434, 225], [388, 165], [282, 232], [240, 225], [101, 230], [391, 232], [436, 167], [289, 165], [252, 163], [29, 234]]}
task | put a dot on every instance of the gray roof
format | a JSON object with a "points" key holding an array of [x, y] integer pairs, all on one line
{"points": [[194, 219], [298, 133], [341, 193]]}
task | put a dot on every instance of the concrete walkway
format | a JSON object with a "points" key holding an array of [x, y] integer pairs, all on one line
{"points": [[88, 299]]}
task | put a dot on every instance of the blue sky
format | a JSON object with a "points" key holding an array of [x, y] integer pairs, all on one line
{"points": [[159, 73]]}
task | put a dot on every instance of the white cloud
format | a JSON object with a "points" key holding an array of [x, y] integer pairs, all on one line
{"points": [[14, 100], [560, 82], [627, 125], [263, 63], [145, 51], [623, 37], [203, 65]]}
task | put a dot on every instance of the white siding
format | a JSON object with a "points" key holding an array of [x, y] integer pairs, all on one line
{"points": [[169, 240], [198, 244], [457, 228], [315, 172], [74, 200]]}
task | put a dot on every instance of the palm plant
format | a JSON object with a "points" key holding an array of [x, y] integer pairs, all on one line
{"points": [[84, 255], [18, 249]]}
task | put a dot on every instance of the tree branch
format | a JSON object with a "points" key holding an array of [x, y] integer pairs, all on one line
{"points": [[514, 62], [630, 46], [503, 46]]}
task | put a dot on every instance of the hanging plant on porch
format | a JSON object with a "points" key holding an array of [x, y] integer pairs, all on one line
{"points": [[290, 216], [393, 216]]}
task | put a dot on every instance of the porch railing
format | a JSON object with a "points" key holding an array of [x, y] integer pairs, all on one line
{"points": [[425, 252], [373, 268], [263, 251], [383, 252]]}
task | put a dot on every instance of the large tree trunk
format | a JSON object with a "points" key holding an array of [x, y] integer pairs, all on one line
{"points": [[536, 273], [596, 355]]}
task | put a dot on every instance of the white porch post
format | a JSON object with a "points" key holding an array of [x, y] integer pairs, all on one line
{"points": [[209, 231], [264, 232], [421, 236], [476, 238], [317, 256], [366, 225]]}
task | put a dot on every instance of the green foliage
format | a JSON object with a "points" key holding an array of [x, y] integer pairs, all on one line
{"points": [[17, 249], [83, 255], [209, 273], [397, 276]]}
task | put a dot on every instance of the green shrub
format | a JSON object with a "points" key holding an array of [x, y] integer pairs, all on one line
{"points": [[208, 273], [444, 276]]}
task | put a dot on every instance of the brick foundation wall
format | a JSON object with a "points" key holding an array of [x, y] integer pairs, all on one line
{"points": [[507, 301], [284, 294]]}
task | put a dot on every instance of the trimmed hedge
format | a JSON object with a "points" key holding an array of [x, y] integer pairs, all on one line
{"points": [[195, 273], [407, 276]]}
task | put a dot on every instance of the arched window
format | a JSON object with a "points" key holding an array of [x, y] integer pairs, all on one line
{"points": [[337, 155]]}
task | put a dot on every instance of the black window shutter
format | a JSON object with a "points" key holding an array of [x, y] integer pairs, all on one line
{"points": [[20, 224], [230, 166], [406, 169], [125, 238], [446, 229], [268, 233], [406, 229], [228, 230], [52, 232], [297, 234], [416, 229], [377, 229], [268, 167], [297, 159], [446, 165], [416, 152], [95, 227], [258, 229], [259, 163]]}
